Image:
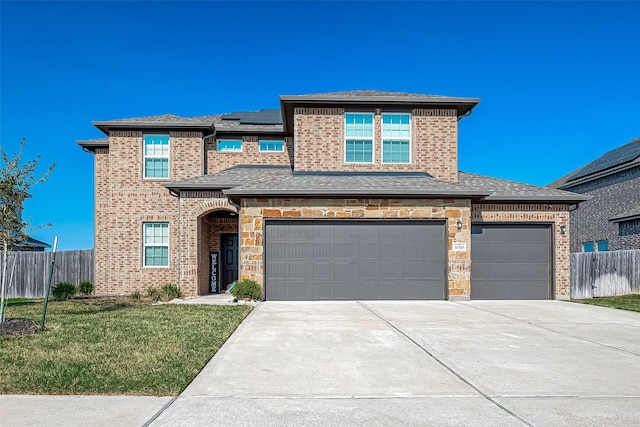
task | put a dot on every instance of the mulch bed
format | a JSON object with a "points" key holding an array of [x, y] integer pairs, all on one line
{"points": [[17, 327]]}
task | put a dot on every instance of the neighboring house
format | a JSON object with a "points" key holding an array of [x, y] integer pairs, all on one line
{"points": [[610, 219], [346, 195]]}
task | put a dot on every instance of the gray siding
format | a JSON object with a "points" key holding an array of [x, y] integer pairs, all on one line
{"points": [[354, 259], [510, 261], [611, 195]]}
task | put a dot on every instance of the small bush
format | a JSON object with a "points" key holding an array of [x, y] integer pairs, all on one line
{"points": [[247, 289], [136, 296], [63, 291], [85, 287], [171, 291], [154, 294]]}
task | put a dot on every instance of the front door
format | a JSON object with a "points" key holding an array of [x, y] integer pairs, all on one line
{"points": [[229, 260]]}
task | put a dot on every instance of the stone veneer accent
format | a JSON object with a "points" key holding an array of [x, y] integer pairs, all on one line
{"points": [[555, 214], [254, 211], [434, 142]]}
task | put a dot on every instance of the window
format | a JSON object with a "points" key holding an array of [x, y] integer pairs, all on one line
{"points": [[358, 138], [230, 145], [156, 244], [587, 247], [269, 145], [603, 245], [396, 138], [156, 156]]}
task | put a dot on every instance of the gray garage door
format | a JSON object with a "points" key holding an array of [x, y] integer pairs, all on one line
{"points": [[510, 261], [354, 259]]}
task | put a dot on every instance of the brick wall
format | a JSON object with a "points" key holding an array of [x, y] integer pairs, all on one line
{"points": [[319, 143], [610, 196], [254, 211], [557, 215], [250, 155], [124, 200]]}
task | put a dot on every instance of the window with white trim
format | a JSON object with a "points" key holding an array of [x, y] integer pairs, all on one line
{"points": [[267, 145], [230, 145], [358, 144], [156, 244], [396, 138], [156, 156]]}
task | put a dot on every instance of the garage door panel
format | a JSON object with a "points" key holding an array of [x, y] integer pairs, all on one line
{"points": [[353, 259], [510, 261]]}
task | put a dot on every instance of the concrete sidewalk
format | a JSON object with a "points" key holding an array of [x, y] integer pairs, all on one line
{"points": [[77, 411], [542, 363]]}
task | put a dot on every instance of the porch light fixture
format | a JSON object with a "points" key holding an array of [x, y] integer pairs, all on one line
{"points": [[563, 229], [459, 224]]}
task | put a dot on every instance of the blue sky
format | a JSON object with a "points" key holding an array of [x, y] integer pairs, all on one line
{"points": [[559, 81]]}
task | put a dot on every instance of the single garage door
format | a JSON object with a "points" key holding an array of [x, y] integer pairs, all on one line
{"points": [[354, 259], [510, 261]]}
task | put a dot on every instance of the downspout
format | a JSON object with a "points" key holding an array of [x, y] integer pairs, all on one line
{"points": [[237, 206], [204, 153], [467, 114]]}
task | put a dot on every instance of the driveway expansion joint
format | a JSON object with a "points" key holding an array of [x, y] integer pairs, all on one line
{"points": [[447, 367], [157, 414], [547, 328]]}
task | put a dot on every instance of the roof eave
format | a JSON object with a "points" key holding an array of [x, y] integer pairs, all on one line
{"points": [[186, 186], [106, 126], [625, 218], [539, 199], [396, 194], [92, 145]]}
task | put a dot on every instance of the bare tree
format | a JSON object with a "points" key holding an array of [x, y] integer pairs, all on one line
{"points": [[16, 179]]}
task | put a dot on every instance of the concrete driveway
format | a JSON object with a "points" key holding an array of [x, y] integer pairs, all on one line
{"points": [[480, 363]]}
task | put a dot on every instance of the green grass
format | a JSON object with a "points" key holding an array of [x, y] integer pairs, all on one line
{"points": [[625, 302], [107, 346], [22, 301]]}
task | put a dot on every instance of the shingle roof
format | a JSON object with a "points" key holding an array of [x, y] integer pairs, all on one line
{"points": [[627, 215], [621, 158], [621, 155], [255, 180], [368, 94], [504, 190]]}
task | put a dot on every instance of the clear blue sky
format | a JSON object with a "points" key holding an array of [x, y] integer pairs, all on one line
{"points": [[559, 82]]}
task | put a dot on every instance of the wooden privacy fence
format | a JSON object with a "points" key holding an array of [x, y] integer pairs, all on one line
{"points": [[28, 272], [603, 274]]}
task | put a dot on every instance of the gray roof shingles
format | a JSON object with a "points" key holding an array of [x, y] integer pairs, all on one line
{"points": [[249, 180], [627, 215]]}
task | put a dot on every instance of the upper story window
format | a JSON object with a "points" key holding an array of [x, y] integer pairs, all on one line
{"points": [[229, 145], [396, 138], [270, 145], [156, 156], [358, 138], [156, 244]]}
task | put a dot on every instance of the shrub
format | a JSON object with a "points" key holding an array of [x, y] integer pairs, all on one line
{"points": [[85, 287], [247, 289], [136, 296], [171, 291], [63, 291], [154, 293]]}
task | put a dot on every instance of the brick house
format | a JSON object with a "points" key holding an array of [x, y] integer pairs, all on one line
{"points": [[346, 195], [610, 219]]}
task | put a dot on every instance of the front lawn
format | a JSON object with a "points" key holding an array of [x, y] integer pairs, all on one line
{"points": [[113, 346], [624, 302]]}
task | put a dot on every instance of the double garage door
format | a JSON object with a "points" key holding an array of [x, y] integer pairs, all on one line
{"points": [[354, 259], [395, 259]]}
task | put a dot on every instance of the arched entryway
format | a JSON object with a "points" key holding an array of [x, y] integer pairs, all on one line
{"points": [[217, 250]]}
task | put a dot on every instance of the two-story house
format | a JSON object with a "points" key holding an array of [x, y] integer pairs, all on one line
{"points": [[610, 219], [347, 195]]}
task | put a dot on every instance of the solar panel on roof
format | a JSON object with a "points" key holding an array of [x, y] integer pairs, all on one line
{"points": [[619, 156], [261, 117]]}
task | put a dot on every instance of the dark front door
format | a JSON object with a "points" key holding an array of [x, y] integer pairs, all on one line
{"points": [[229, 260]]}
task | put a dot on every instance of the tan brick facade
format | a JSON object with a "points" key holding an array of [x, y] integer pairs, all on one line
{"points": [[254, 211], [124, 200], [250, 155], [319, 137], [555, 214]]}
